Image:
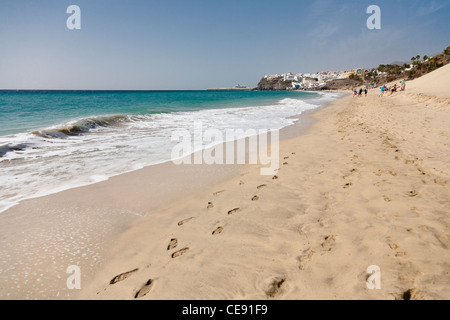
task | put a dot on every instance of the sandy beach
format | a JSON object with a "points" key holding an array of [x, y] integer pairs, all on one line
{"points": [[367, 184]]}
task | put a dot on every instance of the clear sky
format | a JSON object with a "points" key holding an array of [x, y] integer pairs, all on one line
{"points": [[199, 44]]}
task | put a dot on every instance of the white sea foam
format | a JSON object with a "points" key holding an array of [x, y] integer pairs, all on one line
{"points": [[56, 159]]}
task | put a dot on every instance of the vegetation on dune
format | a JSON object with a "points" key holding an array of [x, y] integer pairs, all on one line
{"points": [[416, 69], [384, 73]]}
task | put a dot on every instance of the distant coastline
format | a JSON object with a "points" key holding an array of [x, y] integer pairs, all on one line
{"points": [[233, 89]]}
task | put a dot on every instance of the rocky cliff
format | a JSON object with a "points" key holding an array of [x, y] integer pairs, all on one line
{"points": [[273, 84]]}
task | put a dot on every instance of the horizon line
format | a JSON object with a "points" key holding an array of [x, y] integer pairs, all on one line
{"points": [[125, 90]]}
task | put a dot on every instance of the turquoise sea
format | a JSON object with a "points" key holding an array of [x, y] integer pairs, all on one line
{"points": [[54, 140], [24, 111]]}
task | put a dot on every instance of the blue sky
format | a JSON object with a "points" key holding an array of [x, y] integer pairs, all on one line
{"points": [[198, 44]]}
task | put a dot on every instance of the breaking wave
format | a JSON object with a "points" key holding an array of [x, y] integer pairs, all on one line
{"points": [[81, 126]]}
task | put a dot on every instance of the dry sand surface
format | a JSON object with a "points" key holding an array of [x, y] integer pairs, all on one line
{"points": [[435, 84], [369, 184]]}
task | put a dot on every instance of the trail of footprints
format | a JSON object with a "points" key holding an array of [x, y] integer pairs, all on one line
{"points": [[274, 288]]}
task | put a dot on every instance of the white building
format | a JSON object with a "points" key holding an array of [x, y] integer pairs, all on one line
{"points": [[289, 77]]}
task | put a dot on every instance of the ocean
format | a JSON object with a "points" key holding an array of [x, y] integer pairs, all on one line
{"points": [[51, 141]]}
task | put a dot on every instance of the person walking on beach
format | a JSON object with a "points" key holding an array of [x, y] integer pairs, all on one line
{"points": [[382, 91], [365, 92], [360, 92], [403, 87]]}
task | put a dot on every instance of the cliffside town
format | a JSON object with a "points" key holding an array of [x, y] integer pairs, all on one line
{"points": [[308, 81]]}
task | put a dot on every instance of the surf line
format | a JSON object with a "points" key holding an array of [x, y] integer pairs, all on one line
{"points": [[219, 143]]}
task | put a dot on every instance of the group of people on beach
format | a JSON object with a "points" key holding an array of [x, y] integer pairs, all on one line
{"points": [[394, 88], [358, 93]]}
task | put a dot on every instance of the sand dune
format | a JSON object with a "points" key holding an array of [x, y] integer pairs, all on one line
{"points": [[434, 84]]}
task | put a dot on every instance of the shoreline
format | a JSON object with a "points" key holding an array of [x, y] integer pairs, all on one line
{"points": [[85, 207], [31, 145]]}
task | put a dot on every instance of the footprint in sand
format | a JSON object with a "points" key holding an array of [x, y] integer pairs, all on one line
{"points": [[218, 192], [440, 181], [233, 211], [255, 198], [173, 244], [261, 186], [210, 205], [305, 258], [285, 158], [217, 231], [329, 240], [276, 287], [123, 276], [184, 221], [145, 289], [348, 185], [402, 254], [392, 173], [320, 221], [179, 253], [422, 172], [392, 244], [241, 183], [285, 164], [413, 194], [275, 178]]}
